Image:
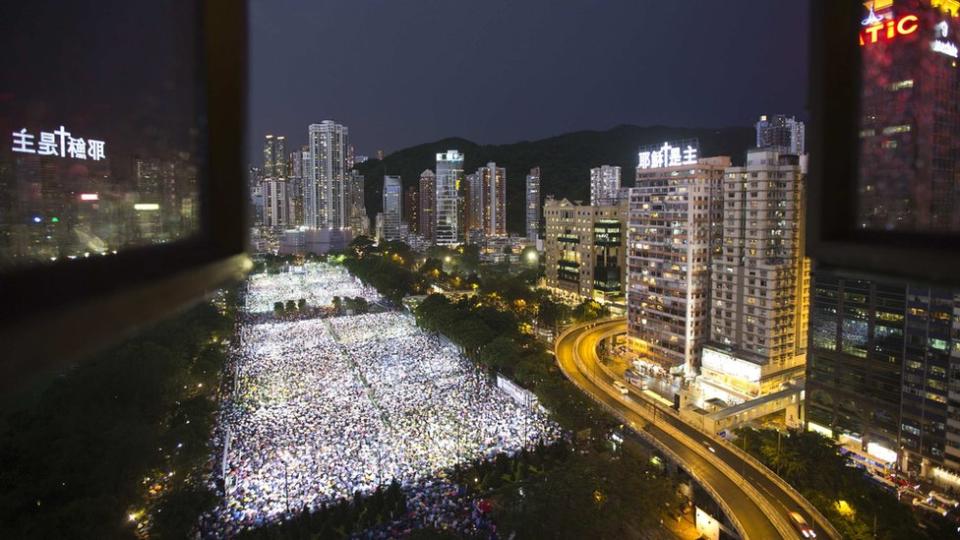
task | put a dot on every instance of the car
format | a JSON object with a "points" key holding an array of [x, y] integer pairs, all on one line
{"points": [[709, 447], [802, 526], [622, 388]]}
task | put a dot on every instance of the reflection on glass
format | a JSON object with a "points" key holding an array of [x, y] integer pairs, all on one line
{"points": [[99, 123], [909, 179]]}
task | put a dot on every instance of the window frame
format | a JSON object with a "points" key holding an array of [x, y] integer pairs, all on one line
{"points": [[51, 314], [833, 144]]}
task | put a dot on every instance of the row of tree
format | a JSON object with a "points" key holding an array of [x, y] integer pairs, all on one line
{"points": [[83, 454]]}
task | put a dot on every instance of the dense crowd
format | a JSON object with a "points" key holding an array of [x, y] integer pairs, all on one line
{"points": [[324, 408], [317, 283]]}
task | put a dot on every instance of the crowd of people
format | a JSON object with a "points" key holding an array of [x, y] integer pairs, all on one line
{"points": [[317, 283], [325, 408]]}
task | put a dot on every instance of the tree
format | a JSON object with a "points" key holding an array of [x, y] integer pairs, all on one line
{"points": [[302, 304], [291, 305], [278, 307]]}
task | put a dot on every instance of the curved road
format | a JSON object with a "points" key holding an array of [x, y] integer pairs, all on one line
{"points": [[738, 486]]}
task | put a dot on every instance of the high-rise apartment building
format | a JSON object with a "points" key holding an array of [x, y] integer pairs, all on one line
{"points": [[326, 205], [781, 132], [493, 183], [533, 205], [604, 185], [411, 208], [675, 229], [584, 248], [392, 207], [472, 203], [449, 200], [275, 203], [760, 282], [428, 204], [295, 188]]}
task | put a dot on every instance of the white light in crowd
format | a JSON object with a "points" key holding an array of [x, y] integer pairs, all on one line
{"points": [[89, 197], [146, 206]]}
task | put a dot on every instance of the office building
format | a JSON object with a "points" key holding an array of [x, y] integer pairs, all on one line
{"points": [[392, 207], [883, 367], [411, 208], [759, 298], [449, 199], [604, 185], [428, 204], [326, 207], [675, 229], [782, 133], [493, 184], [584, 248], [909, 150], [533, 205]]}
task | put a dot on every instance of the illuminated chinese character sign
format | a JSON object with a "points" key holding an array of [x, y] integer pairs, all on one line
{"points": [[59, 143], [669, 154]]}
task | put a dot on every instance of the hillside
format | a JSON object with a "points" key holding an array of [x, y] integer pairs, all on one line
{"points": [[565, 160]]}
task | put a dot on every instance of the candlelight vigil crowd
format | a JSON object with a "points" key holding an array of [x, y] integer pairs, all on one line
{"points": [[322, 408]]}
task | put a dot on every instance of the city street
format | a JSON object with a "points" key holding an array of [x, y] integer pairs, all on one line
{"points": [[755, 519]]}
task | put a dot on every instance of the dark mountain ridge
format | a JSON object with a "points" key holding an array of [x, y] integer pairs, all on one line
{"points": [[564, 160]]}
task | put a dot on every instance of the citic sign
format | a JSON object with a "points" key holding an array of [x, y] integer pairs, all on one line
{"points": [[889, 30]]}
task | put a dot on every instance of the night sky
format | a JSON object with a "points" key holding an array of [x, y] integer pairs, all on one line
{"points": [[405, 72]]}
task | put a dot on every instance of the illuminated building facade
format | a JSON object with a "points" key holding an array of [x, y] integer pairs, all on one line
{"points": [[326, 206], [675, 230], [604, 185], [909, 117], [392, 207], [584, 248], [493, 193], [428, 204], [533, 205], [411, 208], [448, 230], [760, 282]]}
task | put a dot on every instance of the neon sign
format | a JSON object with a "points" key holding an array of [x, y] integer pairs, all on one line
{"points": [[889, 30], [668, 155], [60, 143], [940, 44]]}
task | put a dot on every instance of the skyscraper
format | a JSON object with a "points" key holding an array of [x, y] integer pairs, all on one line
{"points": [[295, 188], [760, 282], [604, 185], [674, 231], [533, 205], [428, 204], [782, 133], [328, 161], [275, 203], [392, 207], [493, 184], [411, 208], [472, 203], [449, 229]]}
